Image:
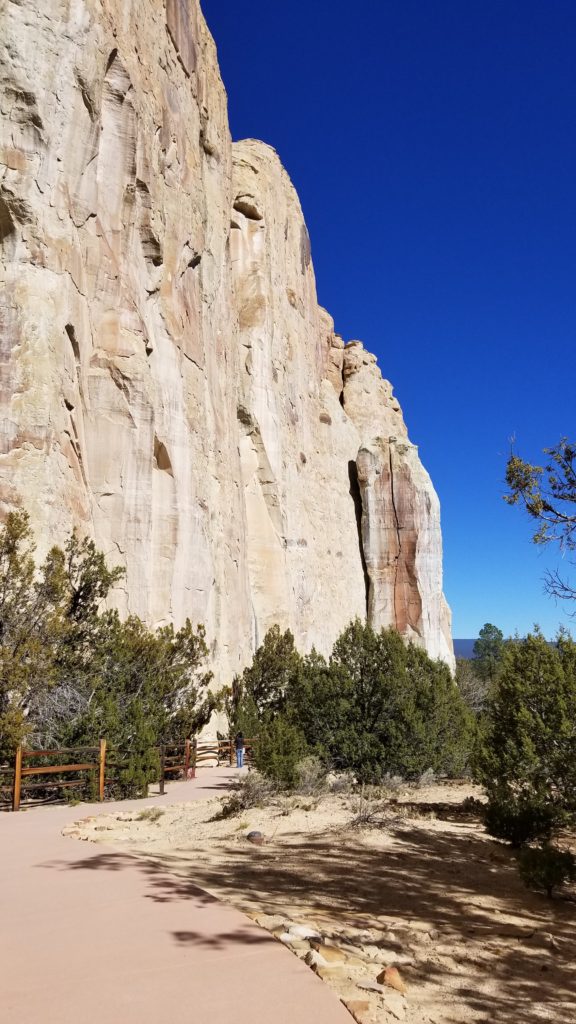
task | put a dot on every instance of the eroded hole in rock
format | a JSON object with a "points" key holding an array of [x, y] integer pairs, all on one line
{"points": [[143, 193], [325, 418], [151, 246], [161, 457], [247, 206], [117, 145], [244, 416], [195, 261], [117, 81], [7, 226], [69, 328], [69, 405], [208, 147], [111, 59]]}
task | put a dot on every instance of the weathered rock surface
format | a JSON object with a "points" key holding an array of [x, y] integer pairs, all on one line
{"points": [[168, 383]]}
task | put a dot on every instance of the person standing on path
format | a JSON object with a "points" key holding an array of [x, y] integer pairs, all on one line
{"points": [[239, 750]]}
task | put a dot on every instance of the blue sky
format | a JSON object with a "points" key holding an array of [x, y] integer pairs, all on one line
{"points": [[433, 146]]}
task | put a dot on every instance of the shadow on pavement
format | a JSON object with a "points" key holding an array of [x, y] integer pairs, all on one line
{"points": [[459, 885]]}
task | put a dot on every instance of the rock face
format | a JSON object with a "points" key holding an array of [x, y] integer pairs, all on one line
{"points": [[168, 383]]}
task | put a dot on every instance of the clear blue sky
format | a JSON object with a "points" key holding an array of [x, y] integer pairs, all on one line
{"points": [[433, 145]]}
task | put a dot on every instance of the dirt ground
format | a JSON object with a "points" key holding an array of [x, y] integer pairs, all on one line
{"points": [[420, 887]]}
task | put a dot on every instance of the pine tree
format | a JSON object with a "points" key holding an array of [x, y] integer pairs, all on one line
{"points": [[488, 650]]}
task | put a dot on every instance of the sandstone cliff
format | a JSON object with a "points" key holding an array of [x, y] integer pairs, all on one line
{"points": [[169, 384]]}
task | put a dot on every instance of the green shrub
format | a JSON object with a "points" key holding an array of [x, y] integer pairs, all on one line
{"points": [[72, 672], [546, 868], [526, 751], [278, 750], [519, 823], [263, 684], [380, 706]]}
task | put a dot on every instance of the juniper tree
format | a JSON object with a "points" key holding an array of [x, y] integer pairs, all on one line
{"points": [[380, 706], [71, 672], [263, 684], [526, 756]]}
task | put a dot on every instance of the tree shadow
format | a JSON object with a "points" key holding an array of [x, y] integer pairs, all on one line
{"points": [[164, 887], [249, 936], [480, 943]]}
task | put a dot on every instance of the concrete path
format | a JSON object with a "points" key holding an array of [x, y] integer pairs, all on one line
{"points": [[92, 936]]}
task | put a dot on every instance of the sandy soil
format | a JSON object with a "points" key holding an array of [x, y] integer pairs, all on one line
{"points": [[420, 887]]}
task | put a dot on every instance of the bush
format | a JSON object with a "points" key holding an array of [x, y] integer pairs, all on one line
{"points": [[380, 706], [519, 823], [151, 814], [311, 776], [368, 806], [279, 749], [526, 755], [264, 683], [253, 790], [546, 868], [428, 778], [71, 672], [149, 688]]}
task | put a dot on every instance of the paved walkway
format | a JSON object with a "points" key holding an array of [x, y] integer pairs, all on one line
{"points": [[91, 936]]}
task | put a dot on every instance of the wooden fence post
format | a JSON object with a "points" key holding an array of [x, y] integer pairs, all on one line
{"points": [[194, 756], [186, 758], [162, 768], [102, 770], [17, 779], [231, 753]]}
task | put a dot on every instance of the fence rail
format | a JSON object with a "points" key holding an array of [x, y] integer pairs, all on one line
{"points": [[223, 751], [21, 772], [171, 760], [175, 759]]}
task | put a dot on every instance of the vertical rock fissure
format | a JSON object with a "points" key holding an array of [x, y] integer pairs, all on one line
{"points": [[356, 496], [397, 526]]}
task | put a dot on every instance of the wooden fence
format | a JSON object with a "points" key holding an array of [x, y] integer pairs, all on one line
{"points": [[29, 764], [174, 758], [223, 751], [89, 766]]}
